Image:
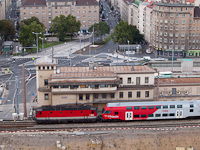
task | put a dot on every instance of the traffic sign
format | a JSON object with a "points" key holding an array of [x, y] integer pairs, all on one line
{"points": [[32, 94]]}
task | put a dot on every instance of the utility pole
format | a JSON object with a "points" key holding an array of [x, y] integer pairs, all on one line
{"points": [[24, 93], [52, 47], [70, 57], [37, 40], [89, 48], [17, 94], [80, 41], [157, 86], [172, 55], [93, 34], [128, 52]]}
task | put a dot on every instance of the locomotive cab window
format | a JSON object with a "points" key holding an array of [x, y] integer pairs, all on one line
{"points": [[116, 113], [40, 113], [179, 106], [107, 112], [136, 107], [151, 107], [158, 107], [143, 107], [165, 106], [128, 108], [191, 105], [92, 111]]}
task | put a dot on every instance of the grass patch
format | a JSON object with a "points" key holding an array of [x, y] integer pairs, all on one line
{"points": [[109, 38]]}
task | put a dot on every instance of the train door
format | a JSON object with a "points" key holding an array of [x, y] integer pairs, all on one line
{"points": [[179, 113], [128, 115]]}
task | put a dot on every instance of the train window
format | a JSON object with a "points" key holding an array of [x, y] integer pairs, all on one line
{"points": [[172, 114], [116, 113], [191, 110], [40, 113], [158, 107], [136, 107], [165, 106], [143, 107], [179, 106], [128, 108], [92, 111], [136, 116], [172, 106], [144, 115], [150, 115], [157, 115], [71, 112], [191, 105], [81, 111], [61, 112], [164, 115], [107, 112], [50, 112], [151, 107]]}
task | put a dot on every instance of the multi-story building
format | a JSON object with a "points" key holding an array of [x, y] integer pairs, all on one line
{"points": [[175, 28], [46, 10], [2, 10], [141, 16], [94, 84]]}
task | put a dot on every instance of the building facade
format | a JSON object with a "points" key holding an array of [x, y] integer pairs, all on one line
{"points": [[175, 27], [93, 85], [46, 10]]}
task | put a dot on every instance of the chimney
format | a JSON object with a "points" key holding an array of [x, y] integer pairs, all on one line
{"points": [[91, 65]]}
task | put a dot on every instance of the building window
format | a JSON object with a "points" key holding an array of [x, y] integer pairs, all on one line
{"points": [[103, 95], [138, 93], [80, 97], [72, 3], [45, 81], [121, 94], [171, 15], [87, 96], [121, 81], [146, 79], [46, 96], [183, 21], [95, 95], [146, 93], [129, 94], [137, 80], [112, 95], [129, 80]]}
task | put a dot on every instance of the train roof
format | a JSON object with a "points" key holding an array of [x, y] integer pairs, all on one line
{"points": [[151, 103]]}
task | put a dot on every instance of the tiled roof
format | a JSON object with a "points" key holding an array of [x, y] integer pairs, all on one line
{"points": [[86, 2], [46, 61], [179, 80], [114, 69], [33, 2], [83, 75], [196, 12]]}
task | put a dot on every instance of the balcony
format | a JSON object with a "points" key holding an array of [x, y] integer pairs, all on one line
{"points": [[44, 89]]}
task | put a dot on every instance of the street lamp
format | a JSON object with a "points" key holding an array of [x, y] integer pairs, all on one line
{"points": [[42, 45], [37, 40], [80, 41], [128, 52], [93, 33]]}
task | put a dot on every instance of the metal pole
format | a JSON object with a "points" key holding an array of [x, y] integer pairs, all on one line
{"points": [[93, 34], [24, 93], [43, 45], [80, 42], [89, 48], [52, 47], [37, 44], [157, 86], [17, 93], [70, 57], [128, 52], [172, 55]]}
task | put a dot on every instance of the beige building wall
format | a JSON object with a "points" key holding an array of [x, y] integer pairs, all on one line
{"points": [[141, 16], [148, 24], [135, 15], [2, 10]]}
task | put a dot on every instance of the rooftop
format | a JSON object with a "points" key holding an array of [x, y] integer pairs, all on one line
{"points": [[33, 2], [86, 2], [46, 61], [179, 80]]}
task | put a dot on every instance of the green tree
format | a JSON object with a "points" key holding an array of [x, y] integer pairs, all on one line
{"points": [[65, 25], [27, 38], [29, 21], [7, 30], [124, 32]]}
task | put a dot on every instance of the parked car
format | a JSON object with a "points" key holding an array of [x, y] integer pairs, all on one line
{"points": [[160, 59], [146, 58]]}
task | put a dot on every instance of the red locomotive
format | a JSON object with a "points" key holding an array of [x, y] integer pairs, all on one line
{"points": [[66, 113]]}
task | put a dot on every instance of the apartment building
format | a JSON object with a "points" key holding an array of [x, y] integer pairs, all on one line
{"points": [[46, 10], [93, 85], [141, 16], [175, 27], [2, 10]]}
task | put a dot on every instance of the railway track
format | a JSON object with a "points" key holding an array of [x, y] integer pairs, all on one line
{"points": [[31, 125]]}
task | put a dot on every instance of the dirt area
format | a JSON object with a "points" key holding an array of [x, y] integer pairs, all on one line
{"points": [[117, 140]]}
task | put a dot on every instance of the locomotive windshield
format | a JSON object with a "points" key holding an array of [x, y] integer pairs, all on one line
{"points": [[107, 112]]}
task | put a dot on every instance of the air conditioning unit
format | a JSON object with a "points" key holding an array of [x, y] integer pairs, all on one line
{"points": [[170, 93], [186, 92], [161, 93], [178, 92]]}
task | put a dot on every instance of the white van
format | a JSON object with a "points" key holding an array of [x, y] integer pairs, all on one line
{"points": [[146, 58]]}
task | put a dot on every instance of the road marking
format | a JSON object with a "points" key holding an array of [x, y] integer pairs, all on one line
{"points": [[8, 100]]}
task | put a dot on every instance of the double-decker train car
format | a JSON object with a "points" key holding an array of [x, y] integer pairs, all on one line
{"points": [[66, 113], [151, 110]]}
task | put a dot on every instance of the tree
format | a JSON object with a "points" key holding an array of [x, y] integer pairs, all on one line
{"points": [[27, 38], [7, 30], [65, 25], [124, 32], [29, 21], [100, 28]]}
